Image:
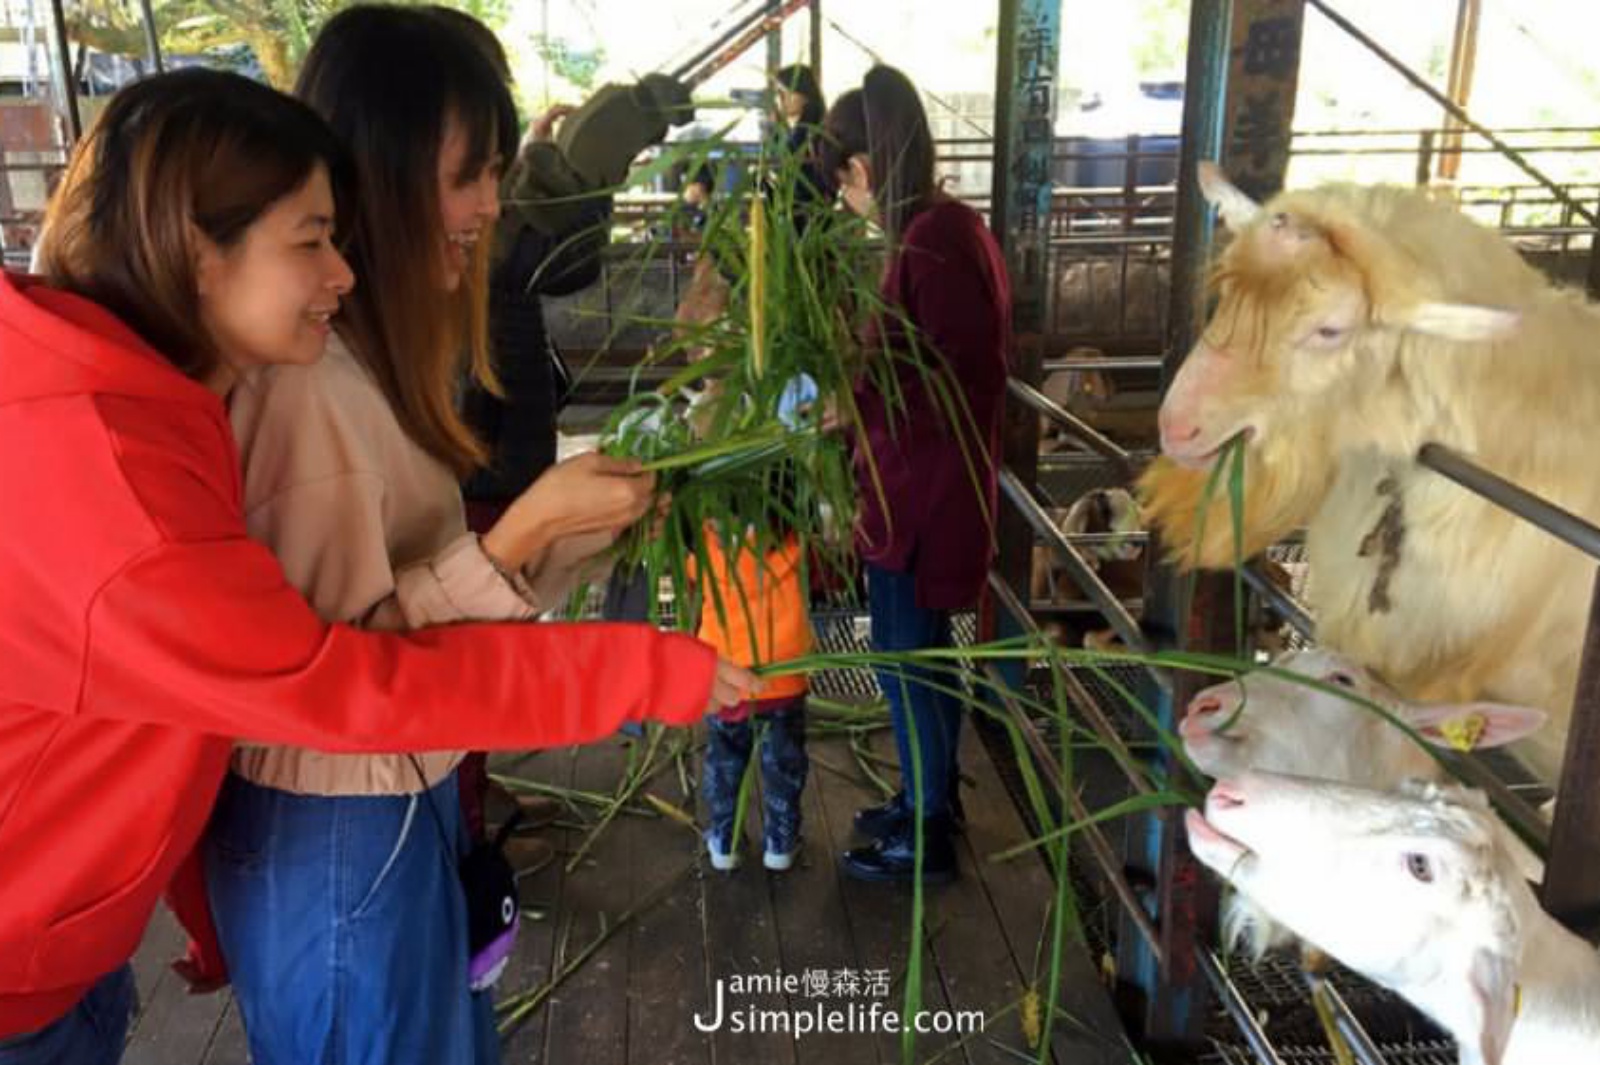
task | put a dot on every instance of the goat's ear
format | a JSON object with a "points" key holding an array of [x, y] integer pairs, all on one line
{"points": [[1460, 321], [1472, 726], [1235, 208], [1492, 1008]]}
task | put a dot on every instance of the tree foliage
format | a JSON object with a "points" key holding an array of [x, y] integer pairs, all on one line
{"points": [[277, 32]]}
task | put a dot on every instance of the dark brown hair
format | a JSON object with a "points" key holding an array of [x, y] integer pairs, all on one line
{"points": [[798, 77], [389, 80], [172, 155], [884, 120]]}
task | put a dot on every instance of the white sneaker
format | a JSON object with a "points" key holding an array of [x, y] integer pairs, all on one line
{"points": [[723, 861], [780, 861]]}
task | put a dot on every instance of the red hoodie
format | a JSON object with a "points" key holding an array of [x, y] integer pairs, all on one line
{"points": [[141, 632]]}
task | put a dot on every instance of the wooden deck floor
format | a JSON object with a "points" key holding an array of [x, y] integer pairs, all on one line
{"points": [[677, 928]]}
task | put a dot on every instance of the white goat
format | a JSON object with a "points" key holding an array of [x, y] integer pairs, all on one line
{"points": [[1266, 721], [1416, 889]]}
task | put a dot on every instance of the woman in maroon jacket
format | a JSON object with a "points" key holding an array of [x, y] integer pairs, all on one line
{"points": [[926, 458], [141, 631]]}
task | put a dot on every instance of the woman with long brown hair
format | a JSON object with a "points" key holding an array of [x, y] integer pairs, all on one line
{"points": [[190, 244], [927, 465], [344, 925]]}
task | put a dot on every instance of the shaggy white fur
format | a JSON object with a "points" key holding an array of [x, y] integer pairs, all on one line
{"points": [[1353, 325], [1417, 890]]}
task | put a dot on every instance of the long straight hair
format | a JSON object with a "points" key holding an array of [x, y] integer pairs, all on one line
{"points": [[171, 155], [885, 121], [800, 78], [389, 80]]}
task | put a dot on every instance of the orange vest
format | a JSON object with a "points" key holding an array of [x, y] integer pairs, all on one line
{"points": [[767, 602]]}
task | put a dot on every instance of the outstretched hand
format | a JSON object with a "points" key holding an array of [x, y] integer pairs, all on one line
{"points": [[731, 686]]}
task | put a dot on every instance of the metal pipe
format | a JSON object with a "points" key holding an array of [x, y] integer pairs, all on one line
{"points": [[1203, 118], [738, 26], [1283, 604], [1571, 889], [1078, 568], [816, 40], [1452, 109], [66, 84], [1355, 1036], [1517, 812], [1100, 539], [1076, 692], [774, 41], [1066, 460], [1076, 427], [1561, 524], [1110, 364], [1175, 993], [152, 40], [1237, 1008], [1099, 849]]}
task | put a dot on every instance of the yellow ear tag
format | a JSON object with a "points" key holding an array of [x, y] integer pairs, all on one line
{"points": [[1463, 733]]}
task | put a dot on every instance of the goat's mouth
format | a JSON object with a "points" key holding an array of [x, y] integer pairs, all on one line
{"points": [[1214, 753], [1215, 848], [1205, 456]]}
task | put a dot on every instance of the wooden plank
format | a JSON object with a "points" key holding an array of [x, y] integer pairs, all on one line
{"points": [[667, 981], [163, 941], [229, 1046], [1263, 76], [879, 915], [173, 1027], [979, 966], [813, 929], [587, 1017], [534, 959], [741, 935], [1088, 1031]]}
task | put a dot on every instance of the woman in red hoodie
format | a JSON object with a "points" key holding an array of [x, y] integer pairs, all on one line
{"points": [[142, 631]]}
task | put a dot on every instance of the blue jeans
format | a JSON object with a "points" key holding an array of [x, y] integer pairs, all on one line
{"points": [[899, 624], [345, 929], [91, 1033], [783, 769]]}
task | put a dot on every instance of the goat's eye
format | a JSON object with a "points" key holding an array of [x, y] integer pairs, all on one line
{"points": [[1343, 680], [1329, 333], [1419, 867]]}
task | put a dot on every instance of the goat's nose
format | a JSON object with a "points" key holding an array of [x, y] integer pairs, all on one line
{"points": [[1225, 795], [1204, 703], [1177, 430]]}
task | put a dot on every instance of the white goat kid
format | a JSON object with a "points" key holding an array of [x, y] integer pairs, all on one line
{"points": [[1418, 890], [1264, 720], [1267, 721]]}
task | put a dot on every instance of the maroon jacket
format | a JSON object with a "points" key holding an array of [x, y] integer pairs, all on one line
{"points": [[928, 493]]}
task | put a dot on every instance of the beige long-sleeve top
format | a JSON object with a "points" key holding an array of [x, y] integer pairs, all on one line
{"points": [[370, 527]]}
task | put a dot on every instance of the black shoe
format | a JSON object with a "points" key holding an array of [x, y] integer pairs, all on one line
{"points": [[893, 858], [895, 813], [878, 821]]}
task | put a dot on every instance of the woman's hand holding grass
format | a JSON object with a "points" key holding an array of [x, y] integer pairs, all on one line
{"points": [[588, 493]]}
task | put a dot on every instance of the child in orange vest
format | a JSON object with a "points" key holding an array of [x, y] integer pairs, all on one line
{"points": [[763, 617]]}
